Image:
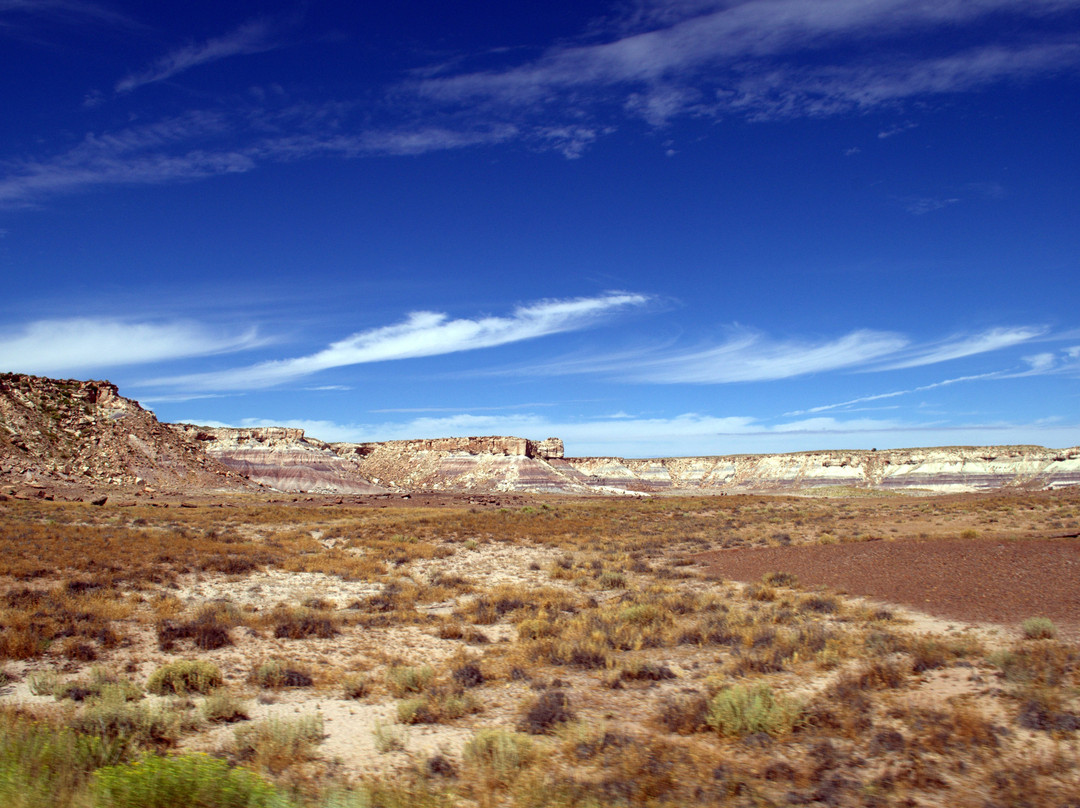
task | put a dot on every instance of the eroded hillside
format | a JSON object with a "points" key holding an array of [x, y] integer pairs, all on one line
{"points": [[68, 436]]}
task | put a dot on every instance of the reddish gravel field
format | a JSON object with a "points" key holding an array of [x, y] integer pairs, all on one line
{"points": [[972, 580]]}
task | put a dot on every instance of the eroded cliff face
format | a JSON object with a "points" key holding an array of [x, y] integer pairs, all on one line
{"points": [[66, 435], [945, 469], [281, 458], [287, 460], [84, 434]]}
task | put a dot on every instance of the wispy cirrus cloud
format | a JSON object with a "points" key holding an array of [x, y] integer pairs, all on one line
{"points": [[896, 393], [251, 37], [747, 355], [756, 58], [423, 333], [74, 345], [206, 143], [751, 356], [74, 12], [957, 347]]}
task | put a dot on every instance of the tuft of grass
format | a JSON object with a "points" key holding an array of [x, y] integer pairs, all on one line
{"points": [[403, 680], [387, 739], [275, 674], [208, 630], [739, 710], [550, 709], [355, 686], [183, 677], [788, 579], [299, 624], [224, 708], [130, 726], [43, 683], [274, 744], [1038, 628], [500, 755], [684, 713]]}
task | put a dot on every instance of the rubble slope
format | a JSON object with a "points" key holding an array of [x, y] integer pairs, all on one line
{"points": [[68, 436]]}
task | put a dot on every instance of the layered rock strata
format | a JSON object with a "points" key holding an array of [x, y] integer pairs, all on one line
{"points": [[945, 469], [287, 460]]}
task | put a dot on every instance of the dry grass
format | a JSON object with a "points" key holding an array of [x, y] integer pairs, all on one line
{"points": [[596, 668]]}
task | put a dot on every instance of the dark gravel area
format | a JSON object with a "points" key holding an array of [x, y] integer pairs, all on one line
{"points": [[972, 580]]}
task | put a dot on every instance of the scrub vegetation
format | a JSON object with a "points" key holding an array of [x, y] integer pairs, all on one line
{"points": [[564, 653]]}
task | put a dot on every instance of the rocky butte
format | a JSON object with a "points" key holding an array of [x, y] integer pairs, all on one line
{"points": [[66, 436]]}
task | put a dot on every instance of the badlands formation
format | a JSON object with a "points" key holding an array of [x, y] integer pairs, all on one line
{"points": [[63, 437], [287, 460]]}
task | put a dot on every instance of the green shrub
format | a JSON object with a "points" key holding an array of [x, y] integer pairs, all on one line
{"points": [[432, 708], [404, 680], [739, 710], [130, 725], [1038, 628], [186, 780], [184, 676]]}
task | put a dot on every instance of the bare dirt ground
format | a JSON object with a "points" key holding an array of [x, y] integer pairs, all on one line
{"points": [[975, 580]]}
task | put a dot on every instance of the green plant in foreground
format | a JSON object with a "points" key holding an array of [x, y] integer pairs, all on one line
{"points": [[188, 780], [1038, 628], [184, 676], [739, 710], [45, 765]]}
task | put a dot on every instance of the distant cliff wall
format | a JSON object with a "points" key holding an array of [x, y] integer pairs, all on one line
{"points": [[288, 460], [962, 468]]}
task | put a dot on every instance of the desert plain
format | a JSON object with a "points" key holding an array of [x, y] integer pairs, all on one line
{"points": [[842, 648]]}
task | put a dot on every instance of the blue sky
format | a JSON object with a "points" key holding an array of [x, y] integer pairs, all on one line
{"points": [[650, 228]]}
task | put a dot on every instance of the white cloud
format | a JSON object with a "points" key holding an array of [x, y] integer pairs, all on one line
{"points": [[202, 144], [749, 357], [895, 393], [753, 55], [967, 345], [49, 347], [422, 333], [745, 356], [1040, 363], [924, 205], [251, 37]]}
